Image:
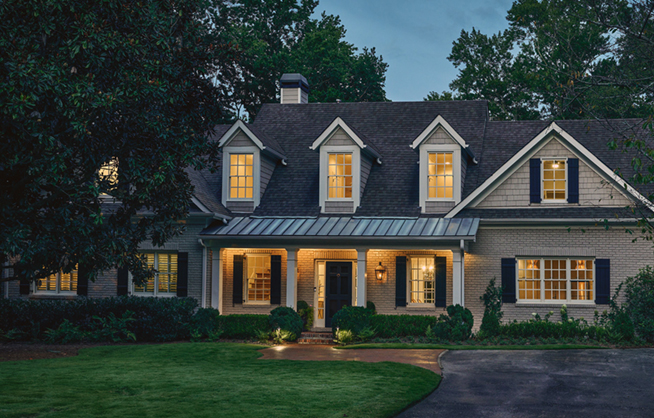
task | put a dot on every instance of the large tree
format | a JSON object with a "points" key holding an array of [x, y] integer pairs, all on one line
{"points": [[83, 84]]}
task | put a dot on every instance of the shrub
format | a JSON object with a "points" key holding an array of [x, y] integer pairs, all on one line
{"points": [[397, 326], [242, 326], [455, 326], [64, 334], [281, 336], [639, 304], [113, 329], [371, 307], [492, 298], [366, 334], [205, 323], [306, 313], [352, 318], [286, 319], [542, 328], [343, 336]]}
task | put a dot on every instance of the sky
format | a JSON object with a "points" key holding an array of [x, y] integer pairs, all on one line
{"points": [[415, 36]]}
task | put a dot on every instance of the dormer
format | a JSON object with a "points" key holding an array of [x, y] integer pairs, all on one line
{"points": [[443, 163], [346, 158], [249, 158]]}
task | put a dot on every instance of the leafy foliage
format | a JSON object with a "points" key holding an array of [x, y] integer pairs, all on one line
{"points": [[113, 329], [206, 324], [306, 313], [243, 326], [352, 318], [286, 319], [456, 326], [492, 298], [397, 326], [639, 304]]}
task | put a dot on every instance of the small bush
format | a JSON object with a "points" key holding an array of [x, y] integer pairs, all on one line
{"points": [[343, 336], [352, 318], [242, 326], [205, 324], [455, 326], [263, 336], [492, 298], [366, 334], [398, 326], [639, 304], [281, 336], [113, 329], [306, 313], [286, 319], [371, 307], [64, 334]]}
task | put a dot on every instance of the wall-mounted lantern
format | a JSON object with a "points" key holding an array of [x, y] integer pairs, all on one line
{"points": [[380, 272]]}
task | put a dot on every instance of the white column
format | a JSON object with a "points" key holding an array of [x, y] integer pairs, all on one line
{"points": [[217, 279], [291, 277], [457, 277], [361, 277]]}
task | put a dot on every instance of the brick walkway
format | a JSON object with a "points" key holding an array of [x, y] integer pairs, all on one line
{"points": [[427, 359]]}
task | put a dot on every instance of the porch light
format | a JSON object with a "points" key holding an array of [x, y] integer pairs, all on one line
{"points": [[380, 271]]}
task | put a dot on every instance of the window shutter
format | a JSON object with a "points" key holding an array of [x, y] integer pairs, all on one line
{"points": [[508, 280], [82, 280], [534, 180], [400, 281], [441, 281], [24, 287], [182, 275], [602, 281], [275, 279], [122, 279], [573, 180], [237, 292]]}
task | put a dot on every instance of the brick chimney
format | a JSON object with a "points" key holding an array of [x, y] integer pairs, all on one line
{"points": [[294, 89]]}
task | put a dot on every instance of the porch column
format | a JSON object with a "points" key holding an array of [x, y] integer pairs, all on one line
{"points": [[458, 276], [291, 277], [217, 279], [361, 277]]}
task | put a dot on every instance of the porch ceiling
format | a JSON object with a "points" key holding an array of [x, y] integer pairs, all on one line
{"points": [[349, 228]]}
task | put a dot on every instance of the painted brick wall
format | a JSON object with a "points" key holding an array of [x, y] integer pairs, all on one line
{"points": [[483, 262], [593, 189]]}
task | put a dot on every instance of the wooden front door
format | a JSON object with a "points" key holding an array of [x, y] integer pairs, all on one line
{"points": [[339, 288]]}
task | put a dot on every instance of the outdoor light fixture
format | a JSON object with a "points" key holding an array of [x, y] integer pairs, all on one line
{"points": [[380, 271], [555, 165]]}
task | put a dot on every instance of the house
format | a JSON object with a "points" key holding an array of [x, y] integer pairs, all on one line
{"points": [[412, 206]]}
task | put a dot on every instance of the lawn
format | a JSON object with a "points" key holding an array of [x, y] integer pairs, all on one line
{"points": [[472, 347], [205, 380]]}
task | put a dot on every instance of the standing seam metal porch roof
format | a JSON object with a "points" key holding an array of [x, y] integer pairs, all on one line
{"points": [[321, 227]]}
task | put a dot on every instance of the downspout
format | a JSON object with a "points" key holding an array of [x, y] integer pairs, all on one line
{"points": [[463, 272], [204, 274]]}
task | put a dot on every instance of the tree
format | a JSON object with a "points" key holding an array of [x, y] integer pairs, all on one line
{"points": [[434, 96], [86, 83]]}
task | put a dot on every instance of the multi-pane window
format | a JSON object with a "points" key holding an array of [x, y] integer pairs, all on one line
{"points": [[258, 278], [164, 282], [109, 171], [555, 279], [422, 287], [554, 177], [340, 176], [441, 177], [58, 283], [241, 176]]}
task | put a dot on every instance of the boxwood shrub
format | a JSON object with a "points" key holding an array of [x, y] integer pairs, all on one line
{"points": [[286, 319], [243, 326], [397, 326]]}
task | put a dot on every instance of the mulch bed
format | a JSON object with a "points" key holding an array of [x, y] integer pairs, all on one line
{"points": [[25, 351]]}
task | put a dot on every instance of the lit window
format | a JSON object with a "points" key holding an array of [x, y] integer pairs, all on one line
{"points": [[554, 180], [241, 177], [441, 177], [340, 176], [164, 282], [422, 282], [555, 280], [109, 172], [258, 278], [58, 283]]}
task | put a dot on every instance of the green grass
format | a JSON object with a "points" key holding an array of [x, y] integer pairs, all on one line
{"points": [[205, 380], [472, 347]]}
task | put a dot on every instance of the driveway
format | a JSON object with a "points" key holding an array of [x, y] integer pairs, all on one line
{"points": [[558, 383]]}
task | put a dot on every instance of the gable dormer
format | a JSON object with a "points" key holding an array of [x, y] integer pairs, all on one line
{"points": [[249, 158], [346, 159], [443, 163]]}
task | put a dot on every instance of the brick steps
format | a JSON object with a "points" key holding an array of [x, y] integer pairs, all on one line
{"points": [[324, 338]]}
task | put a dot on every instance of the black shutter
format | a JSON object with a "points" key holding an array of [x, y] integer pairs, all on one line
{"points": [[534, 180], [400, 281], [441, 281], [573, 180], [508, 280], [82, 280], [602, 281], [122, 279], [237, 293], [24, 287], [275, 279], [182, 275]]}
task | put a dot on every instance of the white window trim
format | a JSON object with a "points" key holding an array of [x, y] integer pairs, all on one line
{"points": [[245, 281], [56, 292], [154, 293], [256, 173], [325, 150], [543, 301], [542, 180], [425, 149], [409, 272]]}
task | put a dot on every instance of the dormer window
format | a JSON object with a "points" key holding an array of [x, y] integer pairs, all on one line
{"points": [[241, 176], [554, 180], [441, 175], [340, 176]]}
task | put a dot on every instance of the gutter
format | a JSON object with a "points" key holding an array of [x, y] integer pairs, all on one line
{"points": [[549, 221]]}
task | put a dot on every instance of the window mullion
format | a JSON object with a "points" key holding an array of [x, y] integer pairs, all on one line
{"points": [[568, 284], [542, 279], [155, 279]]}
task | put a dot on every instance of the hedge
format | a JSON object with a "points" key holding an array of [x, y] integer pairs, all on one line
{"points": [[396, 326], [243, 326]]}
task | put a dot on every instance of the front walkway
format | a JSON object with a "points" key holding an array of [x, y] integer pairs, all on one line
{"points": [[427, 359]]}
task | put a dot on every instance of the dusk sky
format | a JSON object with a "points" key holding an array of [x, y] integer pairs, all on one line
{"points": [[415, 36]]}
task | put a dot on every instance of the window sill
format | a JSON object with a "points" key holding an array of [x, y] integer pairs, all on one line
{"points": [[53, 296], [554, 304], [255, 304], [150, 295], [425, 307]]}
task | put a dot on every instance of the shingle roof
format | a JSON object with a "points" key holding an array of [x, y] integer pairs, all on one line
{"points": [[579, 212]]}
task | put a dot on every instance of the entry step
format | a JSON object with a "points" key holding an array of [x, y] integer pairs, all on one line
{"points": [[316, 338]]}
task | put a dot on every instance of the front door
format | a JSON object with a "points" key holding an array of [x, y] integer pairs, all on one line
{"points": [[339, 288]]}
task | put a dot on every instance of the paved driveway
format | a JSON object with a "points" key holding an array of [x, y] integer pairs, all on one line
{"points": [[561, 383]]}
